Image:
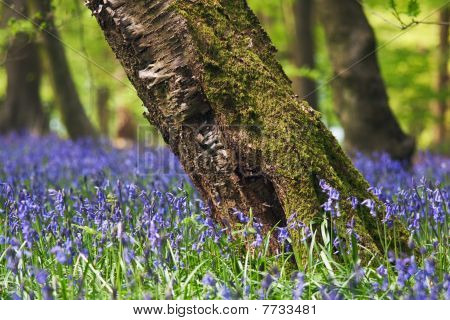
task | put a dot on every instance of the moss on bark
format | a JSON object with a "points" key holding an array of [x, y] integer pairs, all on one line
{"points": [[208, 75], [244, 82]]}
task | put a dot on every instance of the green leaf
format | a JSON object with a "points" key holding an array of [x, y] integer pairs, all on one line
{"points": [[413, 8]]}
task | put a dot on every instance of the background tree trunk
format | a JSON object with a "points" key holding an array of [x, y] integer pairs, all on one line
{"points": [[305, 49], [22, 109], [360, 96], [442, 87], [103, 113], [73, 114], [208, 76]]}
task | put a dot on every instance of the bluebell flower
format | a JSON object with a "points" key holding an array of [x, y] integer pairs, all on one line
{"points": [[358, 273], [47, 293], [241, 216], [41, 277], [16, 296], [258, 241], [283, 235], [299, 281], [330, 293], [225, 293], [369, 203], [128, 255], [354, 202], [267, 281], [429, 267], [382, 271], [208, 280]]}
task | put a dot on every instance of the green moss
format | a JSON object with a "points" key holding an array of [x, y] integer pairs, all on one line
{"points": [[244, 82]]}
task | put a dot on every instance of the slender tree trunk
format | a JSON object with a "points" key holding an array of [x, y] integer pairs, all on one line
{"points": [[360, 96], [22, 109], [305, 49], [208, 76], [73, 115], [127, 130], [103, 110], [442, 87]]}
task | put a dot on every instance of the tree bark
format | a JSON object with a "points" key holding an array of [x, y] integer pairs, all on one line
{"points": [[442, 87], [73, 114], [207, 74], [360, 97], [304, 53], [22, 109]]}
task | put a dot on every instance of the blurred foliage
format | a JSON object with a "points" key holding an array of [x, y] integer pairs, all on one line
{"points": [[407, 36], [407, 52]]}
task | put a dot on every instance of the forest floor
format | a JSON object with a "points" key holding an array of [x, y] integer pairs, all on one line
{"points": [[86, 221]]}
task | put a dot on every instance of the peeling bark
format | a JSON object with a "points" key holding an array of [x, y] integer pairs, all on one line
{"points": [[208, 76]]}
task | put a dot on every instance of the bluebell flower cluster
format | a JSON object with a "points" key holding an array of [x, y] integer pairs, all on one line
{"points": [[84, 220]]}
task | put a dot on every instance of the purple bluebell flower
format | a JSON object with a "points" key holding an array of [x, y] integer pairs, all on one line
{"points": [[241, 216], [358, 273], [208, 280], [12, 260], [429, 267], [128, 255], [332, 203], [225, 293], [267, 281], [382, 271], [369, 203], [258, 241], [47, 293], [330, 293], [354, 201], [41, 277], [299, 286], [16, 296], [283, 235]]}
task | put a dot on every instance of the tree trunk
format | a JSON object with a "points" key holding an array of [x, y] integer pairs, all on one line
{"points": [[360, 96], [304, 52], [208, 76], [442, 87], [73, 115], [103, 110], [22, 109]]}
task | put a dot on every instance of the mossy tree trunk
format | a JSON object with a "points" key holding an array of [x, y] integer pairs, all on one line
{"points": [[207, 74], [22, 109], [360, 96], [73, 114]]}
